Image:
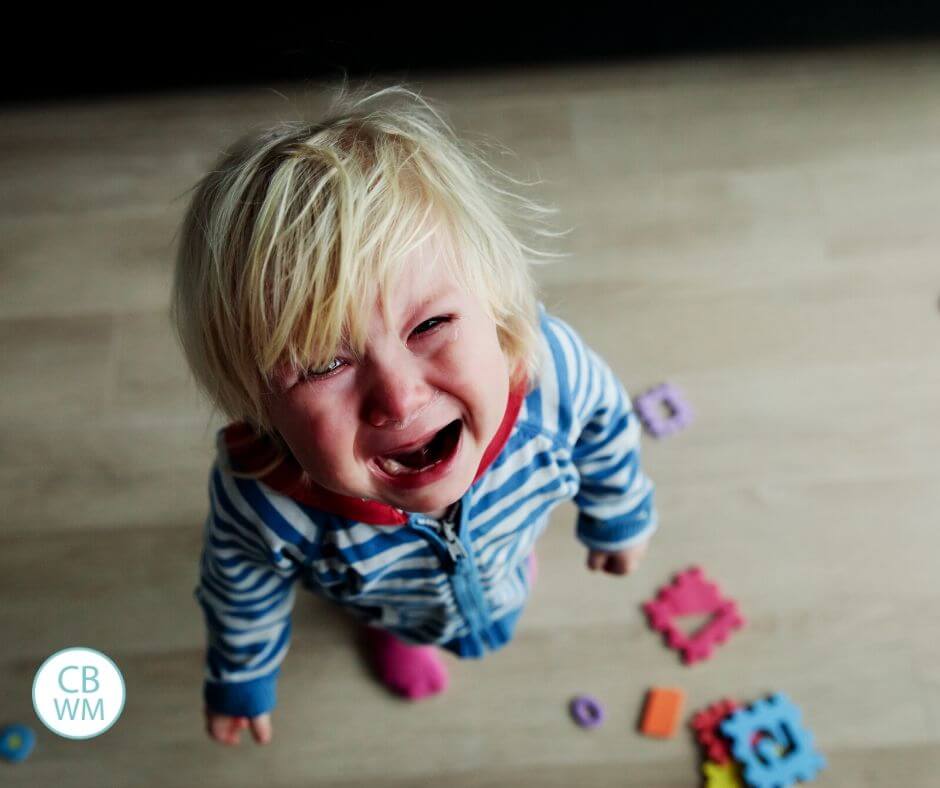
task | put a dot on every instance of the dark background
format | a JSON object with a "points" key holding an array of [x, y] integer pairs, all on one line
{"points": [[84, 56]]}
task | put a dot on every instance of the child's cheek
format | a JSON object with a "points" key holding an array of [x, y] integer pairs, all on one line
{"points": [[313, 429], [450, 354], [472, 357]]}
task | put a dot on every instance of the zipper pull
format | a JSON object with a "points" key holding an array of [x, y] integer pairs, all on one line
{"points": [[454, 548]]}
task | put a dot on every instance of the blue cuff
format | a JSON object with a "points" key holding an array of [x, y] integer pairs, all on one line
{"points": [[620, 533], [242, 698]]}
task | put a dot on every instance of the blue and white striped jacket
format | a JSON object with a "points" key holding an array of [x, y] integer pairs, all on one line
{"points": [[574, 436]]}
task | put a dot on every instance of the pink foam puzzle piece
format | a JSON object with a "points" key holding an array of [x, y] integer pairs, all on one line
{"points": [[691, 593]]}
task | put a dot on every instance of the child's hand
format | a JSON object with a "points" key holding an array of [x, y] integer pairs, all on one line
{"points": [[228, 730], [621, 562]]}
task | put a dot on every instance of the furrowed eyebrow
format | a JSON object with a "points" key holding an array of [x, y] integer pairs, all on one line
{"points": [[345, 343], [423, 304]]}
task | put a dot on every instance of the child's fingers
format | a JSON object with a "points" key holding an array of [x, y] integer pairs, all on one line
{"points": [[261, 728], [616, 563], [621, 562], [224, 729]]}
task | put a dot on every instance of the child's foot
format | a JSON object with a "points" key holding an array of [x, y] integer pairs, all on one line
{"points": [[414, 672]]}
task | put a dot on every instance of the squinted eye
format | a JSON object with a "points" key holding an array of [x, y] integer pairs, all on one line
{"points": [[433, 322], [429, 326], [323, 371]]}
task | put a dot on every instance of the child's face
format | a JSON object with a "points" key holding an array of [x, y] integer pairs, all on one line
{"points": [[440, 361]]}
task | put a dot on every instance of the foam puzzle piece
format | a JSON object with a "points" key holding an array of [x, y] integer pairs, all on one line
{"points": [[16, 742], [783, 751], [691, 593], [662, 711], [663, 410], [587, 711], [722, 775], [705, 725]]}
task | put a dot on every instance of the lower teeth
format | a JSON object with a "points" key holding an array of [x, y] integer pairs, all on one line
{"points": [[395, 468]]}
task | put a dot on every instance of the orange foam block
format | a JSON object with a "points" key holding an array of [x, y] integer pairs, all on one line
{"points": [[662, 711]]}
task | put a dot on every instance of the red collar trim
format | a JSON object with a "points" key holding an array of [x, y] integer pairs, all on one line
{"points": [[251, 453]]}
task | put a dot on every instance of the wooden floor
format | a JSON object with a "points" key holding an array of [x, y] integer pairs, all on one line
{"points": [[760, 230]]}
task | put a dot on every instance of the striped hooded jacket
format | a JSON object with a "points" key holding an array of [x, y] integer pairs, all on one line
{"points": [[460, 583]]}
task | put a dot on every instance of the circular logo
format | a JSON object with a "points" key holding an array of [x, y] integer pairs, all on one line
{"points": [[78, 693]]}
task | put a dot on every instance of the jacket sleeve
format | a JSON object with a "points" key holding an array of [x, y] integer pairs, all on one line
{"points": [[246, 594], [615, 497]]}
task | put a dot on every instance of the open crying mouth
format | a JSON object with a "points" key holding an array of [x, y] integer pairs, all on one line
{"points": [[433, 452]]}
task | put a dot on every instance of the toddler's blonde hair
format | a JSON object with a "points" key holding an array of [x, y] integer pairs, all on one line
{"points": [[297, 228]]}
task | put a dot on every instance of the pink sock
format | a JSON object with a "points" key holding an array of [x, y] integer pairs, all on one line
{"points": [[412, 671]]}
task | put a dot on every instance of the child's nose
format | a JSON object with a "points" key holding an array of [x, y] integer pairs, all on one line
{"points": [[398, 395]]}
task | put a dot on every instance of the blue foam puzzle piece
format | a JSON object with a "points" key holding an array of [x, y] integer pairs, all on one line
{"points": [[16, 742], [764, 764]]}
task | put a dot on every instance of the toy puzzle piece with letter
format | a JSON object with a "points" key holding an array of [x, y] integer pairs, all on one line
{"points": [[691, 593], [771, 745]]}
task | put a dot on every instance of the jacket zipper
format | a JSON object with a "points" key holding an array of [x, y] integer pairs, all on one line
{"points": [[470, 580], [451, 540], [461, 569]]}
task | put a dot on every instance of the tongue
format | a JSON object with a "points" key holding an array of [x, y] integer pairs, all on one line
{"points": [[432, 451], [422, 456], [414, 459]]}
